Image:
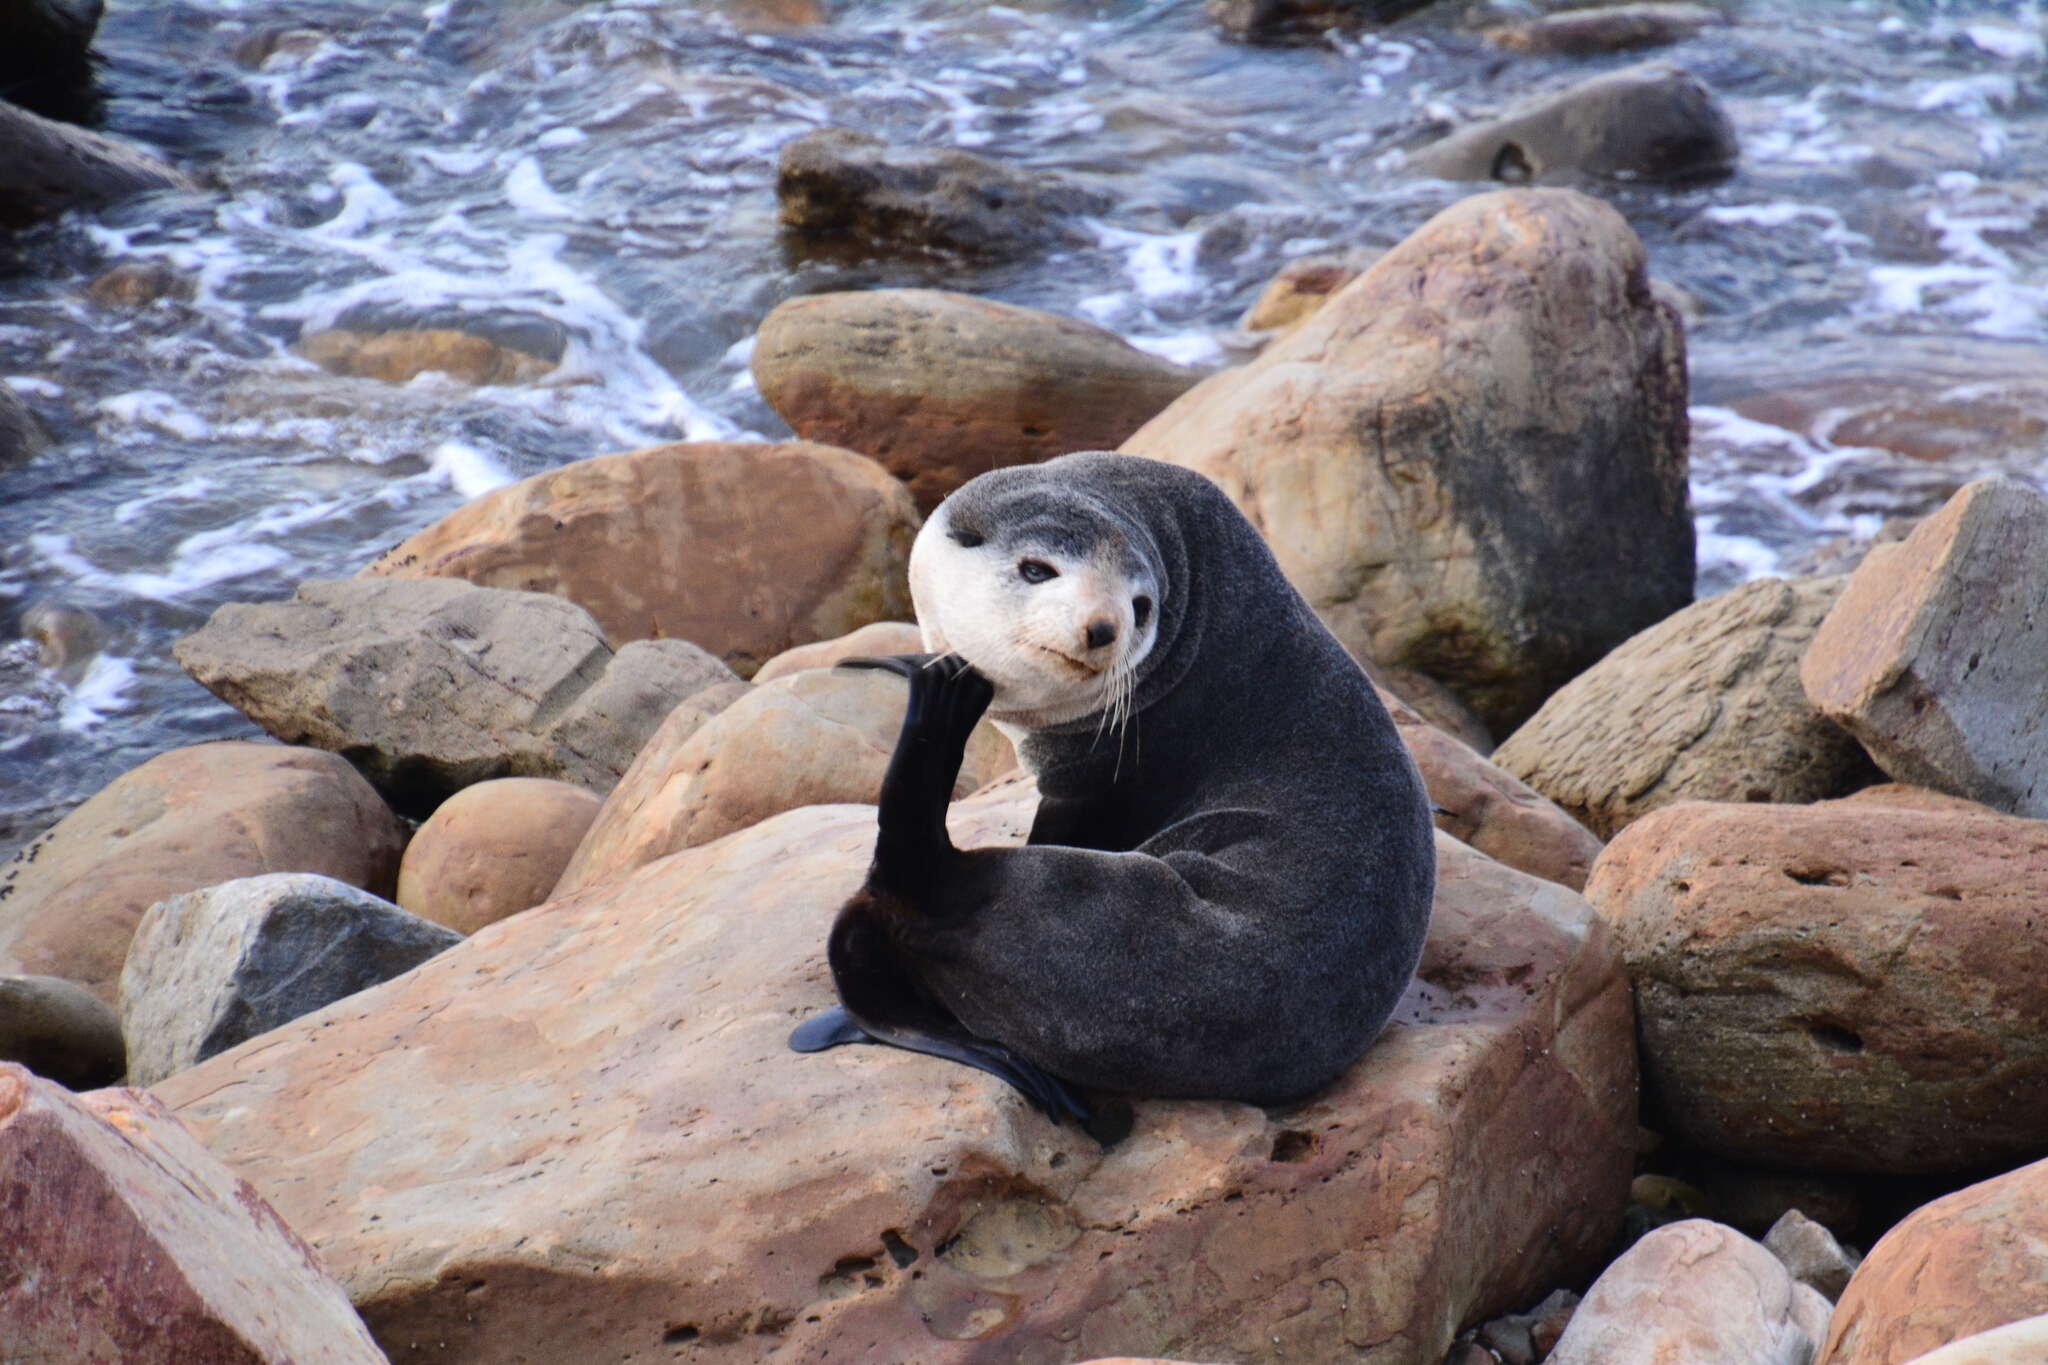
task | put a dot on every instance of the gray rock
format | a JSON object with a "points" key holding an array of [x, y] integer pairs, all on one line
{"points": [[1654, 121], [1302, 21], [1811, 1253], [1610, 28], [21, 436], [60, 1030], [1934, 656], [47, 167], [215, 967], [429, 685], [837, 185]]}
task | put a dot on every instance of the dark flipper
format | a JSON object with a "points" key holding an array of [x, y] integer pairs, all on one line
{"points": [[1050, 1095], [827, 1028]]}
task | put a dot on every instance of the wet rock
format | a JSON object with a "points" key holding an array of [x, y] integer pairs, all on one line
{"points": [[47, 65], [185, 819], [745, 548], [136, 285], [397, 357], [625, 1050], [2017, 1343], [1934, 655], [1302, 21], [67, 638], [22, 437], [48, 167], [940, 387], [883, 637], [216, 967], [1301, 287], [493, 849], [1811, 1253], [1706, 705], [1695, 1293], [1472, 460], [1653, 122], [61, 1030], [1990, 416], [430, 685], [1850, 986], [1611, 28], [1971, 1261], [840, 187], [127, 1241], [818, 737]]}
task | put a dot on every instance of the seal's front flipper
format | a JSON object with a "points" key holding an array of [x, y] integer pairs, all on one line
{"points": [[827, 1028], [902, 665]]}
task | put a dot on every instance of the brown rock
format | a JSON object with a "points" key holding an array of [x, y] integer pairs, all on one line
{"points": [[1610, 28], [187, 818], [608, 1145], [1845, 987], [742, 547], [2017, 1343], [138, 284], [398, 357], [1935, 655], [1694, 1293], [127, 1242], [1302, 21], [1301, 287], [493, 849], [883, 637], [1977, 419], [1970, 1261], [48, 167], [940, 387], [1371, 448], [1704, 706], [813, 738], [61, 1030]]}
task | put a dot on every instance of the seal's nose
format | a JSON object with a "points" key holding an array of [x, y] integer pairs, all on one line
{"points": [[1100, 633]]}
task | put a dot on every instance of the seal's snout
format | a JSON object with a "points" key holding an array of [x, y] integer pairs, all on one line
{"points": [[1100, 632]]}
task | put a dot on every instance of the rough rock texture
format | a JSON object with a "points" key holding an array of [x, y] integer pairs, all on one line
{"points": [[127, 1242], [940, 387], [883, 637], [1472, 460], [742, 547], [1298, 290], [213, 968], [2017, 1343], [1811, 1253], [1935, 654], [1855, 985], [492, 850], [1694, 1293], [1301, 21], [1967, 1262], [185, 819], [607, 1147], [428, 686], [1494, 811], [1613, 28], [396, 357], [1704, 706], [59, 1029], [21, 436], [808, 739], [1653, 122], [48, 167], [840, 187]]}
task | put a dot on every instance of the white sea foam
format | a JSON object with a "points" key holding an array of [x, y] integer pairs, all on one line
{"points": [[157, 411], [527, 190], [97, 695], [469, 471]]}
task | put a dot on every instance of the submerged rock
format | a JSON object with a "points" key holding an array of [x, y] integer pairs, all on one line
{"points": [[1302, 21], [396, 357], [22, 437], [1607, 28], [48, 167]]}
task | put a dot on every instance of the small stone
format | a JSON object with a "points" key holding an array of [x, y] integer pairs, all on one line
{"points": [[399, 357], [137, 284], [59, 1029], [1611, 28], [883, 637], [1811, 1253], [1301, 287], [492, 850], [1302, 21]]}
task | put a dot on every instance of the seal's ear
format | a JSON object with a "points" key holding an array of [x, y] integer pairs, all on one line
{"points": [[902, 665]]}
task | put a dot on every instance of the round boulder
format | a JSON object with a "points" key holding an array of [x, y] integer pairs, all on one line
{"points": [[60, 1030], [492, 850]]}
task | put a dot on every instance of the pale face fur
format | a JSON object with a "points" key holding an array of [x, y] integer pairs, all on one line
{"points": [[1064, 646]]}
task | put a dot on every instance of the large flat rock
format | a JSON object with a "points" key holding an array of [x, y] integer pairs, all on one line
{"points": [[594, 1145]]}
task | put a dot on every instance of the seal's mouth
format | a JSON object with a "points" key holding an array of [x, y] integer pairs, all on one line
{"points": [[1081, 666]]}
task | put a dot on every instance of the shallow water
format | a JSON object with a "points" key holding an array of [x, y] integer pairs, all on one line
{"points": [[596, 180]]}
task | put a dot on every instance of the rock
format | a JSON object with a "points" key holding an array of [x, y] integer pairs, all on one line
{"points": [[1653, 122], [127, 1242], [1471, 461], [1526, 1338], [1851, 986], [1705, 706], [1751, 1199], [1934, 655], [1811, 1253], [67, 638], [47, 64], [1494, 811], [48, 167], [745, 548], [216, 967], [883, 637], [813, 738], [59, 1029], [1967, 1262], [2017, 1343], [1694, 1293], [1301, 21], [940, 387], [429, 686], [1978, 420], [22, 437], [1436, 703], [1301, 287], [1613, 28], [840, 187], [396, 357], [136, 285], [187, 818], [607, 1145], [493, 849]]}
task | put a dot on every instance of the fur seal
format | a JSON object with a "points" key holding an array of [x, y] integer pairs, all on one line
{"points": [[1228, 880]]}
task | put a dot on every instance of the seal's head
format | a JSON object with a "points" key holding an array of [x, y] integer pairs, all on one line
{"points": [[1046, 590]]}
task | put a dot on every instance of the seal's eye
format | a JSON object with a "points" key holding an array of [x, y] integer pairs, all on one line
{"points": [[965, 538], [1141, 610], [1036, 570]]}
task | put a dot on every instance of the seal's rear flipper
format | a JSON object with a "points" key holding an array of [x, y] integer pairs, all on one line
{"points": [[827, 1028]]}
